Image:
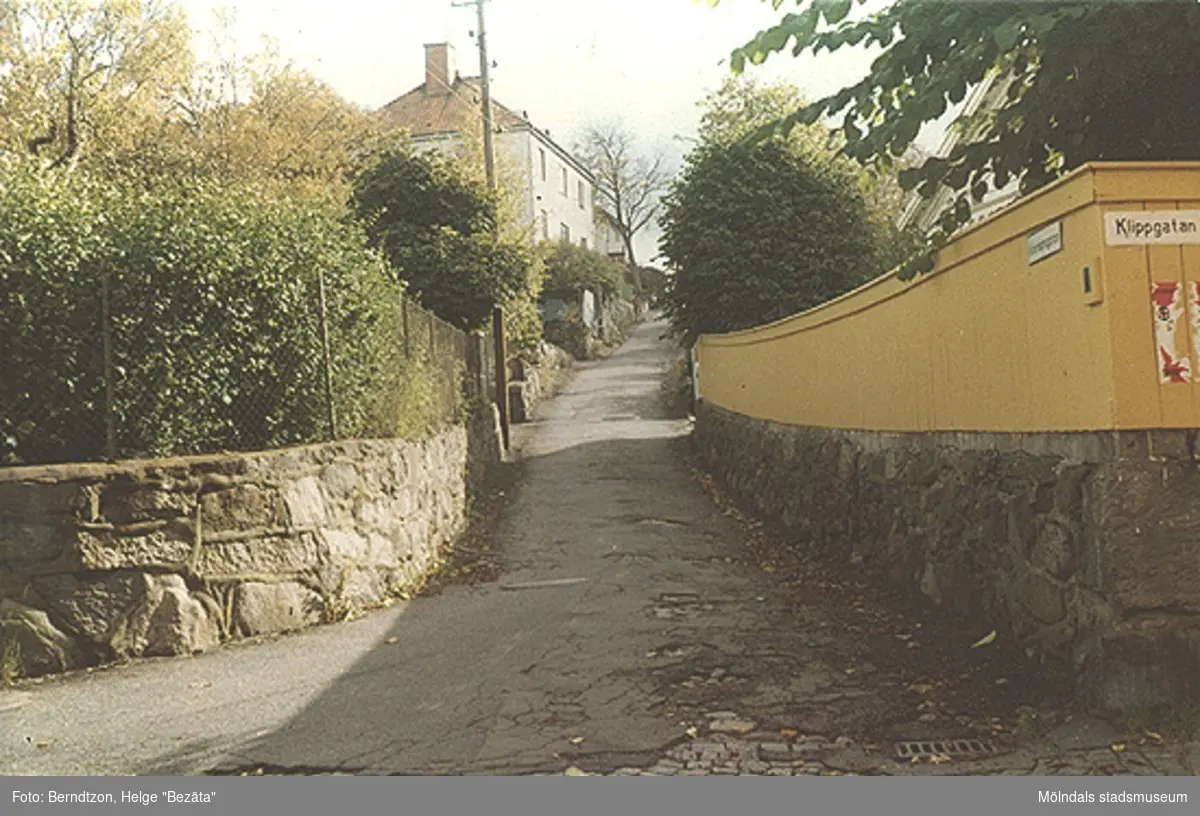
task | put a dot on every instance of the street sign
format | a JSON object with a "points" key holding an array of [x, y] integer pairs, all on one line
{"points": [[1045, 242], [1152, 227]]}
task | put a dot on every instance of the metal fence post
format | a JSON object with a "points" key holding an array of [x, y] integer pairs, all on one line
{"points": [[404, 320], [110, 429], [501, 371], [328, 356]]}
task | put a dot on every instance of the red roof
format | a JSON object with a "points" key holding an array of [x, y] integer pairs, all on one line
{"points": [[426, 114]]}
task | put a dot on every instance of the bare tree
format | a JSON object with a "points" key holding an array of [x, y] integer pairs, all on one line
{"points": [[629, 184]]}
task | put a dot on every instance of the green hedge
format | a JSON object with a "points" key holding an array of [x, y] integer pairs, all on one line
{"points": [[214, 328]]}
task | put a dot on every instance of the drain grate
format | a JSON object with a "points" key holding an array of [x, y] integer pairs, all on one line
{"points": [[951, 748]]}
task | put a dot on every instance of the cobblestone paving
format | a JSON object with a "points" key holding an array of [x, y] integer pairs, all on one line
{"points": [[747, 752]]}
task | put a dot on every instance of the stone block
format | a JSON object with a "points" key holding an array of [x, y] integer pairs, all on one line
{"points": [[304, 503], [270, 555], [28, 637], [1156, 563], [97, 608], [260, 609], [179, 625], [340, 480], [163, 545], [1041, 594], [363, 588], [1022, 523], [344, 545], [40, 501], [145, 503], [244, 507], [1053, 551], [24, 544]]}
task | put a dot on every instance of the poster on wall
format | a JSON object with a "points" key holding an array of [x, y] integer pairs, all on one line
{"points": [[1194, 292], [1173, 366]]}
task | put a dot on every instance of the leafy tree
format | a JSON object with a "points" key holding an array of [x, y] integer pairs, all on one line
{"points": [[114, 84], [438, 227], [1080, 81], [758, 229], [574, 267], [742, 108], [756, 232], [80, 76], [628, 184]]}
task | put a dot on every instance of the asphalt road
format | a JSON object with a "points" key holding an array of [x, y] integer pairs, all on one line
{"points": [[487, 679], [629, 612]]}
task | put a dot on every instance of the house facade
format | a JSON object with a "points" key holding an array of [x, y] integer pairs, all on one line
{"points": [[557, 192], [923, 213], [608, 239]]}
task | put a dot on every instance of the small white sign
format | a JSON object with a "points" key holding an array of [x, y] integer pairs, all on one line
{"points": [[1045, 242], [1152, 227]]}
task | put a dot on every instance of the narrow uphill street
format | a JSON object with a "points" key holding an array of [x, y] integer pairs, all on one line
{"points": [[636, 623]]}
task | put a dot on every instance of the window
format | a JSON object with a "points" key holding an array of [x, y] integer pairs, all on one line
{"points": [[545, 226], [564, 181], [583, 242], [543, 160], [580, 193], [565, 234]]}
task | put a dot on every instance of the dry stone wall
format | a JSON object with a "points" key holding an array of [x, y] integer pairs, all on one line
{"points": [[1081, 549], [169, 557]]}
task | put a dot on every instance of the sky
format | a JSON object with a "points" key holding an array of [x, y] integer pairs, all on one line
{"points": [[566, 63]]}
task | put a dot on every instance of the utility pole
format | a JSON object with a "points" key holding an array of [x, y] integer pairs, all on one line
{"points": [[489, 164], [489, 160]]}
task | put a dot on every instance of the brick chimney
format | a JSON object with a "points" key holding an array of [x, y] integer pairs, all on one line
{"points": [[439, 68]]}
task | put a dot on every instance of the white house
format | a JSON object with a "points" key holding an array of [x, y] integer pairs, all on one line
{"points": [[608, 239], [558, 191], [923, 213]]}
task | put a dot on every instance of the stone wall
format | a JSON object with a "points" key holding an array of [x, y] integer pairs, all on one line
{"points": [[616, 320], [166, 557], [532, 383], [1082, 549]]}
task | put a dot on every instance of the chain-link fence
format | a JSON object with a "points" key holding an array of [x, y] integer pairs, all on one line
{"points": [[127, 381]]}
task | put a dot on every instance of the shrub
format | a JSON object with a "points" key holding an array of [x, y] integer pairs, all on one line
{"points": [[214, 303], [573, 267], [438, 227]]}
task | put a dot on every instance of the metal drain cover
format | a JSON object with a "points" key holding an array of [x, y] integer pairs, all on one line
{"points": [[951, 748]]}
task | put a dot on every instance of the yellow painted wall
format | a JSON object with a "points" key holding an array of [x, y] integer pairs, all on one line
{"points": [[987, 341]]}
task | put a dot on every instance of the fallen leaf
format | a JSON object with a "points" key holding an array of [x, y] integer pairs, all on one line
{"points": [[851, 670], [985, 640], [921, 688], [693, 732], [1154, 736], [939, 759], [392, 640], [788, 732], [1003, 681], [576, 740], [1118, 748], [573, 771]]}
